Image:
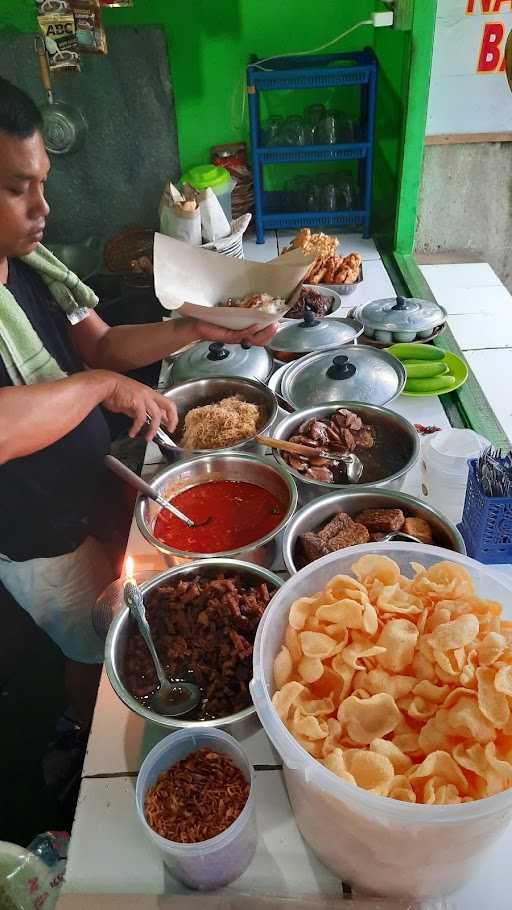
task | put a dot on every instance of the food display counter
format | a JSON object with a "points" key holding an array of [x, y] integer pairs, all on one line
{"points": [[109, 853]]}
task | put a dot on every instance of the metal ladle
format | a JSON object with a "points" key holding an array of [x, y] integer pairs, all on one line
{"points": [[129, 476], [400, 535], [353, 464], [169, 699]]}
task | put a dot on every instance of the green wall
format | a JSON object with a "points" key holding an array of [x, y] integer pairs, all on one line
{"points": [[209, 44]]}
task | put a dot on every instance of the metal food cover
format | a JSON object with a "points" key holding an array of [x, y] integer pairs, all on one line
{"points": [[358, 373]]}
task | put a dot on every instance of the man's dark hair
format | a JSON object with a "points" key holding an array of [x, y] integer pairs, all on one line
{"points": [[19, 116]]}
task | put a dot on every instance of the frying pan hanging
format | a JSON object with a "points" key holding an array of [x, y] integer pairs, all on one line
{"points": [[63, 125]]}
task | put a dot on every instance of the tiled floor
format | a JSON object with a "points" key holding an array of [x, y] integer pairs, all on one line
{"points": [[480, 317]]}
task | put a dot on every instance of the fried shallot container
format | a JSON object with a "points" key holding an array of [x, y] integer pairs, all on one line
{"points": [[215, 862]]}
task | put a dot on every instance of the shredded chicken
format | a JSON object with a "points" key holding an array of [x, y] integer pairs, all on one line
{"points": [[214, 426]]}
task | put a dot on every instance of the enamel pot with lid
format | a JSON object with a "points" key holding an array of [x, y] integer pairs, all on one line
{"points": [[396, 319], [356, 373], [209, 359], [311, 335]]}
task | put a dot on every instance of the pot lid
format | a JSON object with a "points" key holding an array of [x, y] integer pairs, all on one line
{"points": [[217, 359], [358, 373], [314, 334], [401, 314]]}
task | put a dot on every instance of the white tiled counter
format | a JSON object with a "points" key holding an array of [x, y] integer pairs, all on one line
{"points": [[109, 853]]}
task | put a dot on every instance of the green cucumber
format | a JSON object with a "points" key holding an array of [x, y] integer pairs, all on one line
{"points": [[424, 369], [416, 352], [434, 384]]}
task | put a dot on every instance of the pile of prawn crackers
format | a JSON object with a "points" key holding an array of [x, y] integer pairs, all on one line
{"points": [[401, 686]]}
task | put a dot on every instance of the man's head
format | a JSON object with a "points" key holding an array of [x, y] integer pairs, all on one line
{"points": [[24, 167]]}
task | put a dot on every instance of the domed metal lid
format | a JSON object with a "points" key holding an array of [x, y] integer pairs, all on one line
{"points": [[312, 334], [401, 314], [217, 359], [358, 373]]}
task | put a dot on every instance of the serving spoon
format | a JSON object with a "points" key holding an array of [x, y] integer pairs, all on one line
{"points": [[353, 464], [126, 474], [169, 699]]}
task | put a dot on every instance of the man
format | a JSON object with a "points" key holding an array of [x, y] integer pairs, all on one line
{"points": [[53, 435]]}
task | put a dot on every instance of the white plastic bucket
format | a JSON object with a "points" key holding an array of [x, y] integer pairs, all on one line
{"points": [[215, 862], [444, 468], [380, 845]]}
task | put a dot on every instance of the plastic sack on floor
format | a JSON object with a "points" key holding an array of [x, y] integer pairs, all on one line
{"points": [[31, 879]]}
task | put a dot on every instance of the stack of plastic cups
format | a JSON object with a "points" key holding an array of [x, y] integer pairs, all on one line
{"points": [[444, 469]]}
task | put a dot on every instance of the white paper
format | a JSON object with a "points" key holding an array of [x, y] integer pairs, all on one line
{"points": [[195, 280], [214, 224]]}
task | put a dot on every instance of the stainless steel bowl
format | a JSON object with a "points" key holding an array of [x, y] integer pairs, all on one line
{"points": [[317, 513], [197, 392], [240, 724], [263, 472], [370, 413]]}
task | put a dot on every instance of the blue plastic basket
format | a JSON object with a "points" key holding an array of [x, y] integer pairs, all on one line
{"points": [[486, 523]]}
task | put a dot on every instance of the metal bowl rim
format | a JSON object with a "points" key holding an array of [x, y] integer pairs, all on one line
{"points": [[227, 554], [117, 623], [395, 495], [258, 385], [321, 409]]}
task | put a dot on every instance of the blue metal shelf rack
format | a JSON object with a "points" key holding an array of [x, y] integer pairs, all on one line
{"points": [[325, 71]]}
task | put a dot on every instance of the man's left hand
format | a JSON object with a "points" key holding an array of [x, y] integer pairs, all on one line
{"points": [[253, 335]]}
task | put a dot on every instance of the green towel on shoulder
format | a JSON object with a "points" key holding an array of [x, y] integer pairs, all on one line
{"points": [[26, 359]]}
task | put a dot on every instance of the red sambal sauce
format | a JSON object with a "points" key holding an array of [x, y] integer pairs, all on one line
{"points": [[229, 514]]}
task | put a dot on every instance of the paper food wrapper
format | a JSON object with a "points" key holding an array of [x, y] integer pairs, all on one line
{"points": [[238, 229], [194, 281]]}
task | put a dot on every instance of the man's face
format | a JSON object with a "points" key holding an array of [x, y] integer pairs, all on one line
{"points": [[24, 167]]}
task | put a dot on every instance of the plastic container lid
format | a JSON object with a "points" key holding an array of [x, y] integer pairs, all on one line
{"points": [[401, 314], [314, 334], [217, 359], [449, 450], [359, 373], [205, 175]]}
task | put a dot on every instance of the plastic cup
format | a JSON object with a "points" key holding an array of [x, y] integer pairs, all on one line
{"points": [[215, 862], [379, 845], [444, 468]]}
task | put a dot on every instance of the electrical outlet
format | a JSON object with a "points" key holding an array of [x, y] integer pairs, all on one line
{"points": [[403, 15]]}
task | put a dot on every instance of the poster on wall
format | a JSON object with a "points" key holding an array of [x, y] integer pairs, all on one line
{"points": [[469, 93]]}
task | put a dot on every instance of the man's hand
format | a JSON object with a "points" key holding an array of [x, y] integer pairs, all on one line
{"points": [[138, 401], [252, 335]]}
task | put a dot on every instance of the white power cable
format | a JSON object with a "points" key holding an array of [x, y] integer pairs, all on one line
{"points": [[314, 50]]}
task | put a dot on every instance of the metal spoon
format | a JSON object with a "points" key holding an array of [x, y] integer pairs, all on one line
{"points": [[400, 535], [139, 484], [353, 464], [170, 699]]}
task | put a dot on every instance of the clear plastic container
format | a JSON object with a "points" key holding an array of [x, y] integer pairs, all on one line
{"points": [[444, 468], [215, 862], [380, 845]]}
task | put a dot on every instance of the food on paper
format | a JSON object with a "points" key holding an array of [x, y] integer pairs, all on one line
{"points": [[382, 453], [319, 245], [197, 798], [265, 303], [369, 525], [335, 270], [401, 685], [224, 423], [228, 515], [203, 629], [310, 300]]}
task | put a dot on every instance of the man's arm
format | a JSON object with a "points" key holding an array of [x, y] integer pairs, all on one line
{"points": [[33, 417], [128, 347]]}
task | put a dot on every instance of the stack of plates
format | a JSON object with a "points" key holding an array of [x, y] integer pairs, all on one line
{"points": [[234, 249]]}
